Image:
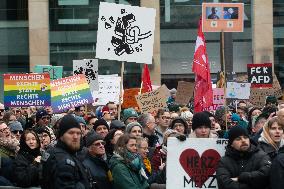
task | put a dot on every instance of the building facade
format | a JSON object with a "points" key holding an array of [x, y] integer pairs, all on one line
{"points": [[58, 31]]}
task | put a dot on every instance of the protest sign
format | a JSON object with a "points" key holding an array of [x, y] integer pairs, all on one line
{"points": [[88, 67], [218, 96], [222, 17], [24, 90], [276, 87], [109, 90], [260, 75], [70, 92], [184, 92], [237, 90], [152, 101], [192, 163], [123, 34], [55, 72], [129, 100], [258, 96]]}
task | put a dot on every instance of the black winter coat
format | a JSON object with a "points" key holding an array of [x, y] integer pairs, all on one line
{"points": [[268, 148], [62, 169], [277, 171], [252, 169], [99, 171], [26, 172]]}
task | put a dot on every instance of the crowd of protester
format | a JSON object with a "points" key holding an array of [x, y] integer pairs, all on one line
{"points": [[83, 148]]}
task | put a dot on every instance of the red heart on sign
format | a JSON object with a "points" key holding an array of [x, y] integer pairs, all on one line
{"points": [[199, 168]]}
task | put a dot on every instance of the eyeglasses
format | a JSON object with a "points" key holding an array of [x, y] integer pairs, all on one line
{"points": [[165, 117], [2, 110], [16, 132], [98, 144]]}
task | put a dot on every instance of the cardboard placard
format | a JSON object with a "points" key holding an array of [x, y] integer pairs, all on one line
{"points": [[129, 100], [24, 90], [184, 92], [123, 34], [258, 96], [226, 17], [55, 72], [70, 92], [152, 101], [185, 162], [260, 75]]}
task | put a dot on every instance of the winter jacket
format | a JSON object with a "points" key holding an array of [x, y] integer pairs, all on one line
{"points": [[268, 148], [251, 167], [99, 171], [62, 169], [277, 171], [26, 171], [124, 176], [153, 140]]}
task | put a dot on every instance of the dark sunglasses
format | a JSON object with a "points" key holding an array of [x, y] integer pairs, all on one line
{"points": [[16, 132], [2, 110], [97, 144]]}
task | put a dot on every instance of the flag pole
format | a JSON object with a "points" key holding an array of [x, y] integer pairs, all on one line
{"points": [[225, 75], [120, 91]]}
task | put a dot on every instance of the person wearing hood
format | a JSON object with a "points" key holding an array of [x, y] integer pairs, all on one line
{"points": [[126, 165], [26, 167], [271, 138], [201, 126], [244, 165], [180, 125], [61, 167]]}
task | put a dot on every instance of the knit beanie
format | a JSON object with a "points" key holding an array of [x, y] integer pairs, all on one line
{"points": [[129, 112], [80, 120], [116, 124], [100, 122], [15, 126], [200, 119], [91, 137], [67, 122], [131, 125], [236, 132], [186, 115], [40, 114], [41, 130]]}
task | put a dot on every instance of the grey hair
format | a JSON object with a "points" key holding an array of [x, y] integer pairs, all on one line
{"points": [[143, 119]]}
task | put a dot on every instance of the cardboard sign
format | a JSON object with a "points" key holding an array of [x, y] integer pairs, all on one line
{"points": [[184, 92], [55, 72], [125, 33], [226, 17], [153, 101], [109, 90], [260, 75], [188, 162], [88, 67], [258, 96], [276, 87], [214, 107], [24, 90], [129, 100], [70, 92]]}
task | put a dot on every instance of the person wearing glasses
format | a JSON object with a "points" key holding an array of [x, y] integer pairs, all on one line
{"points": [[147, 121], [163, 119], [96, 161], [2, 110], [16, 129]]}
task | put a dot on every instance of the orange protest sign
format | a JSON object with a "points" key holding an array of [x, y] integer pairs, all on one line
{"points": [[129, 100], [226, 17]]}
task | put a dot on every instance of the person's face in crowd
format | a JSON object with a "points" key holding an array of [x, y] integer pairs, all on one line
{"points": [[242, 105], [4, 131], [107, 116], [255, 112], [164, 120], [44, 139], [72, 138], [31, 141], [136, 131], [80, 112], [17, 112], [116, 136], [280, 116], [17, 134], [113, 110], [258, 125], [276, 132], [132, 145], [83, 129], [93, 120], [49, 110], [44, 121], [25, 111], [179, 127], [280, 106], [130, 120], [2, 110], [151, 124], [97, 148], [102, 130], [213, 123], [189, 122], [202, 132], [241, 143], [241, 113], [143, 149], [12, 118], [229, 117]]}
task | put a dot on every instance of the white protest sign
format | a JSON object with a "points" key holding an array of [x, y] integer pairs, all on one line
{"points": [[88, 67], [109, 88], [238, 90], [153, 101], [192, 163], [125, 33]]}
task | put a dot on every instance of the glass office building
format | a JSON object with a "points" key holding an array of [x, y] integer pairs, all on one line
{"points": [[72, 31]]}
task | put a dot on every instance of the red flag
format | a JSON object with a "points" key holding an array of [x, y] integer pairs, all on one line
{"points": [[203, 93], [146, 80]]}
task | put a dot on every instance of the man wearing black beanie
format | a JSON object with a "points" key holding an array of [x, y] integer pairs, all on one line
{"points": [[244, 165], [61, 167], [201, 126]]}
